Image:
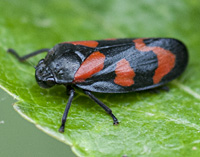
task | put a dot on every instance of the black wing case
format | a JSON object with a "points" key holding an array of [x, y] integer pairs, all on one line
{"points": [[132, 65]]}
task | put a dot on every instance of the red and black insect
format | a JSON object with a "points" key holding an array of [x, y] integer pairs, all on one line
{"points": [[110, 66]]}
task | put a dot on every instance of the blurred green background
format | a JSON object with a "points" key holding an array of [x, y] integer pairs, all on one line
{"points": [[29, 25], [20, 138]]}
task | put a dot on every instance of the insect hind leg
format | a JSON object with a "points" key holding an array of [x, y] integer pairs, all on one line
{"points": [[159, 89]]}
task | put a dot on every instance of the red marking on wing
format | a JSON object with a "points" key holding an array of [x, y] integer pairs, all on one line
{"points": [[90, 43], [166, 59], [92, 65], [124, 73]]}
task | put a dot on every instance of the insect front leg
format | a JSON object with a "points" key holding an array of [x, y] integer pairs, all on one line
{"points": [[68, 89], [64, 118], [106, 108], [23, 58]]}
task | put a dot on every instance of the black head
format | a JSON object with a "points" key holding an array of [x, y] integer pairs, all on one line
{"points": [[43, 75]]}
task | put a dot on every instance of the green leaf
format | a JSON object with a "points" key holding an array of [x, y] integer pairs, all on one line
{"points": [[164, 124]]}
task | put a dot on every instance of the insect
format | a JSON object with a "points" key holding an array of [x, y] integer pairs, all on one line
{"points": [[109, 66]]}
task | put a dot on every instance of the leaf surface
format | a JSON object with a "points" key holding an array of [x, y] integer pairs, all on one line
{"points": [[164, 124]]}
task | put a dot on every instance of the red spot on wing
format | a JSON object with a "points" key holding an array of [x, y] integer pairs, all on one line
{"points": [[124, 73], [166, 59], [92, 65], [90, 43]]}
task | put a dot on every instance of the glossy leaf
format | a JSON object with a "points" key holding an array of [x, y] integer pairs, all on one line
{"points": [[164, 124]]}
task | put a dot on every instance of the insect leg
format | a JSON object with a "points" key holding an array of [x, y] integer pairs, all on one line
{"points": [[165, 88], [68, 88], [106, 108], [158, 89], [23, 58], [62, 127]]}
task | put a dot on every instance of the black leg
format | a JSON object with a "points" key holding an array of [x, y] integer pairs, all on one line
{"points": [[23, 58], [165, 88], [158, 89], [68, 88], [71, 92], [106, 108]]}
